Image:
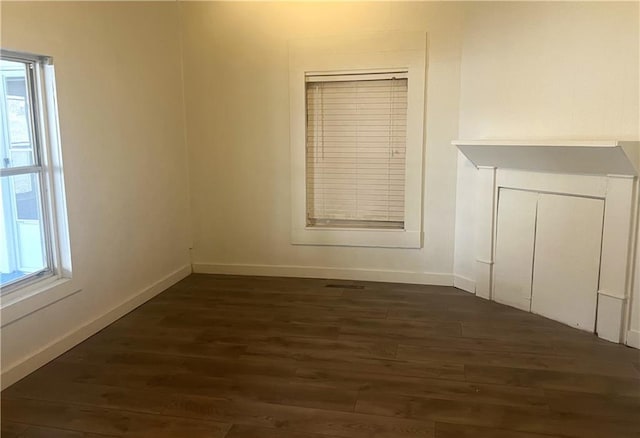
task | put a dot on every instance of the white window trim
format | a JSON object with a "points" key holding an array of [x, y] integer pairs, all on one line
{"points": [[379, 52], [34, 297], [37, 294]]}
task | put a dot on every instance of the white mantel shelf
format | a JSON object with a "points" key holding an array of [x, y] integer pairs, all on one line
{"points": [[590, 157]]}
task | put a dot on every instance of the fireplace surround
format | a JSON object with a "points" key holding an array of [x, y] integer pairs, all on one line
{"points": [[591, 170]]}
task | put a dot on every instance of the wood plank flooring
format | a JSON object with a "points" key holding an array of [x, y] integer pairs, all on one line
{"points": [[259, 357]]}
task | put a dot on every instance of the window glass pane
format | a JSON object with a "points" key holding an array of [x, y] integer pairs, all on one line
{"points": [[22, 246], [20, 158], [16, 106], [26, 197]]}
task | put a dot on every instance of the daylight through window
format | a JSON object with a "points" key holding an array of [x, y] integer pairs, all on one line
{"points": [[25, 246]]}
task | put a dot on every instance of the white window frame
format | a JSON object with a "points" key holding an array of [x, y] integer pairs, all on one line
{"points": [[373, 53], [34, 292]]}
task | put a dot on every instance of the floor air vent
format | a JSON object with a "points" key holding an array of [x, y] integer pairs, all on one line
{"points": [[345, 286]]}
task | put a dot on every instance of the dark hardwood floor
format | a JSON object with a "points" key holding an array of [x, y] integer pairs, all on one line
{"points": [[258, 357]]}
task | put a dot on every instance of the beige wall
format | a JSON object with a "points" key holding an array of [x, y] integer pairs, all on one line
{"points": [[121, 119], [236, 88], [561, 70]]}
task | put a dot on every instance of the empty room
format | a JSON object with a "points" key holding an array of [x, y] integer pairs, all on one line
{"points": [[315, 219]]}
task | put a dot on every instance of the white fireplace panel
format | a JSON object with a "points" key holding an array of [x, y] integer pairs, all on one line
{"points": [[567, 259], [582, 264], [515, 236]]}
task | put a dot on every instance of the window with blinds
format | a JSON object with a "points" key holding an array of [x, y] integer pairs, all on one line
{"points": [[355, 150]]}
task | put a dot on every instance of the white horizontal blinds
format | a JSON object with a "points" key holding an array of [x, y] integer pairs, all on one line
{"points": [[356, 145]]}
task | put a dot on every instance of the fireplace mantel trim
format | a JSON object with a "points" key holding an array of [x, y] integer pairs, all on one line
{"points": [[589, 157], [529, 165]]}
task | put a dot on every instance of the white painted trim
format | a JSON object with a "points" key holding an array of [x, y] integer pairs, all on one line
{"points": [[483, 274], [633, 338], [464, 283], [32, 299], [485, 262], [611, 295], [398, 51], [413, 277], [357, 237], [615, 175], [609, 143], [553, 183], [486, 210], [634, 271], [567, 157], [23, 367], [617, 238], [610, 317]]}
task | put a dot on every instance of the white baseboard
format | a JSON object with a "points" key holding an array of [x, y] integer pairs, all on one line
{"points": [[464, 283], [633, 338], [24, 367], [326, 272]]}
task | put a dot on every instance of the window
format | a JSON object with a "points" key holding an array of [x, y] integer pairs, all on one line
{"points": [[356, 145], [357, 116], [29, 230]]}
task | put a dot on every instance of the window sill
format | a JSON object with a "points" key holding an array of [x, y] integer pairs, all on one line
{"points": [[381, 238], [34, 297]]}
